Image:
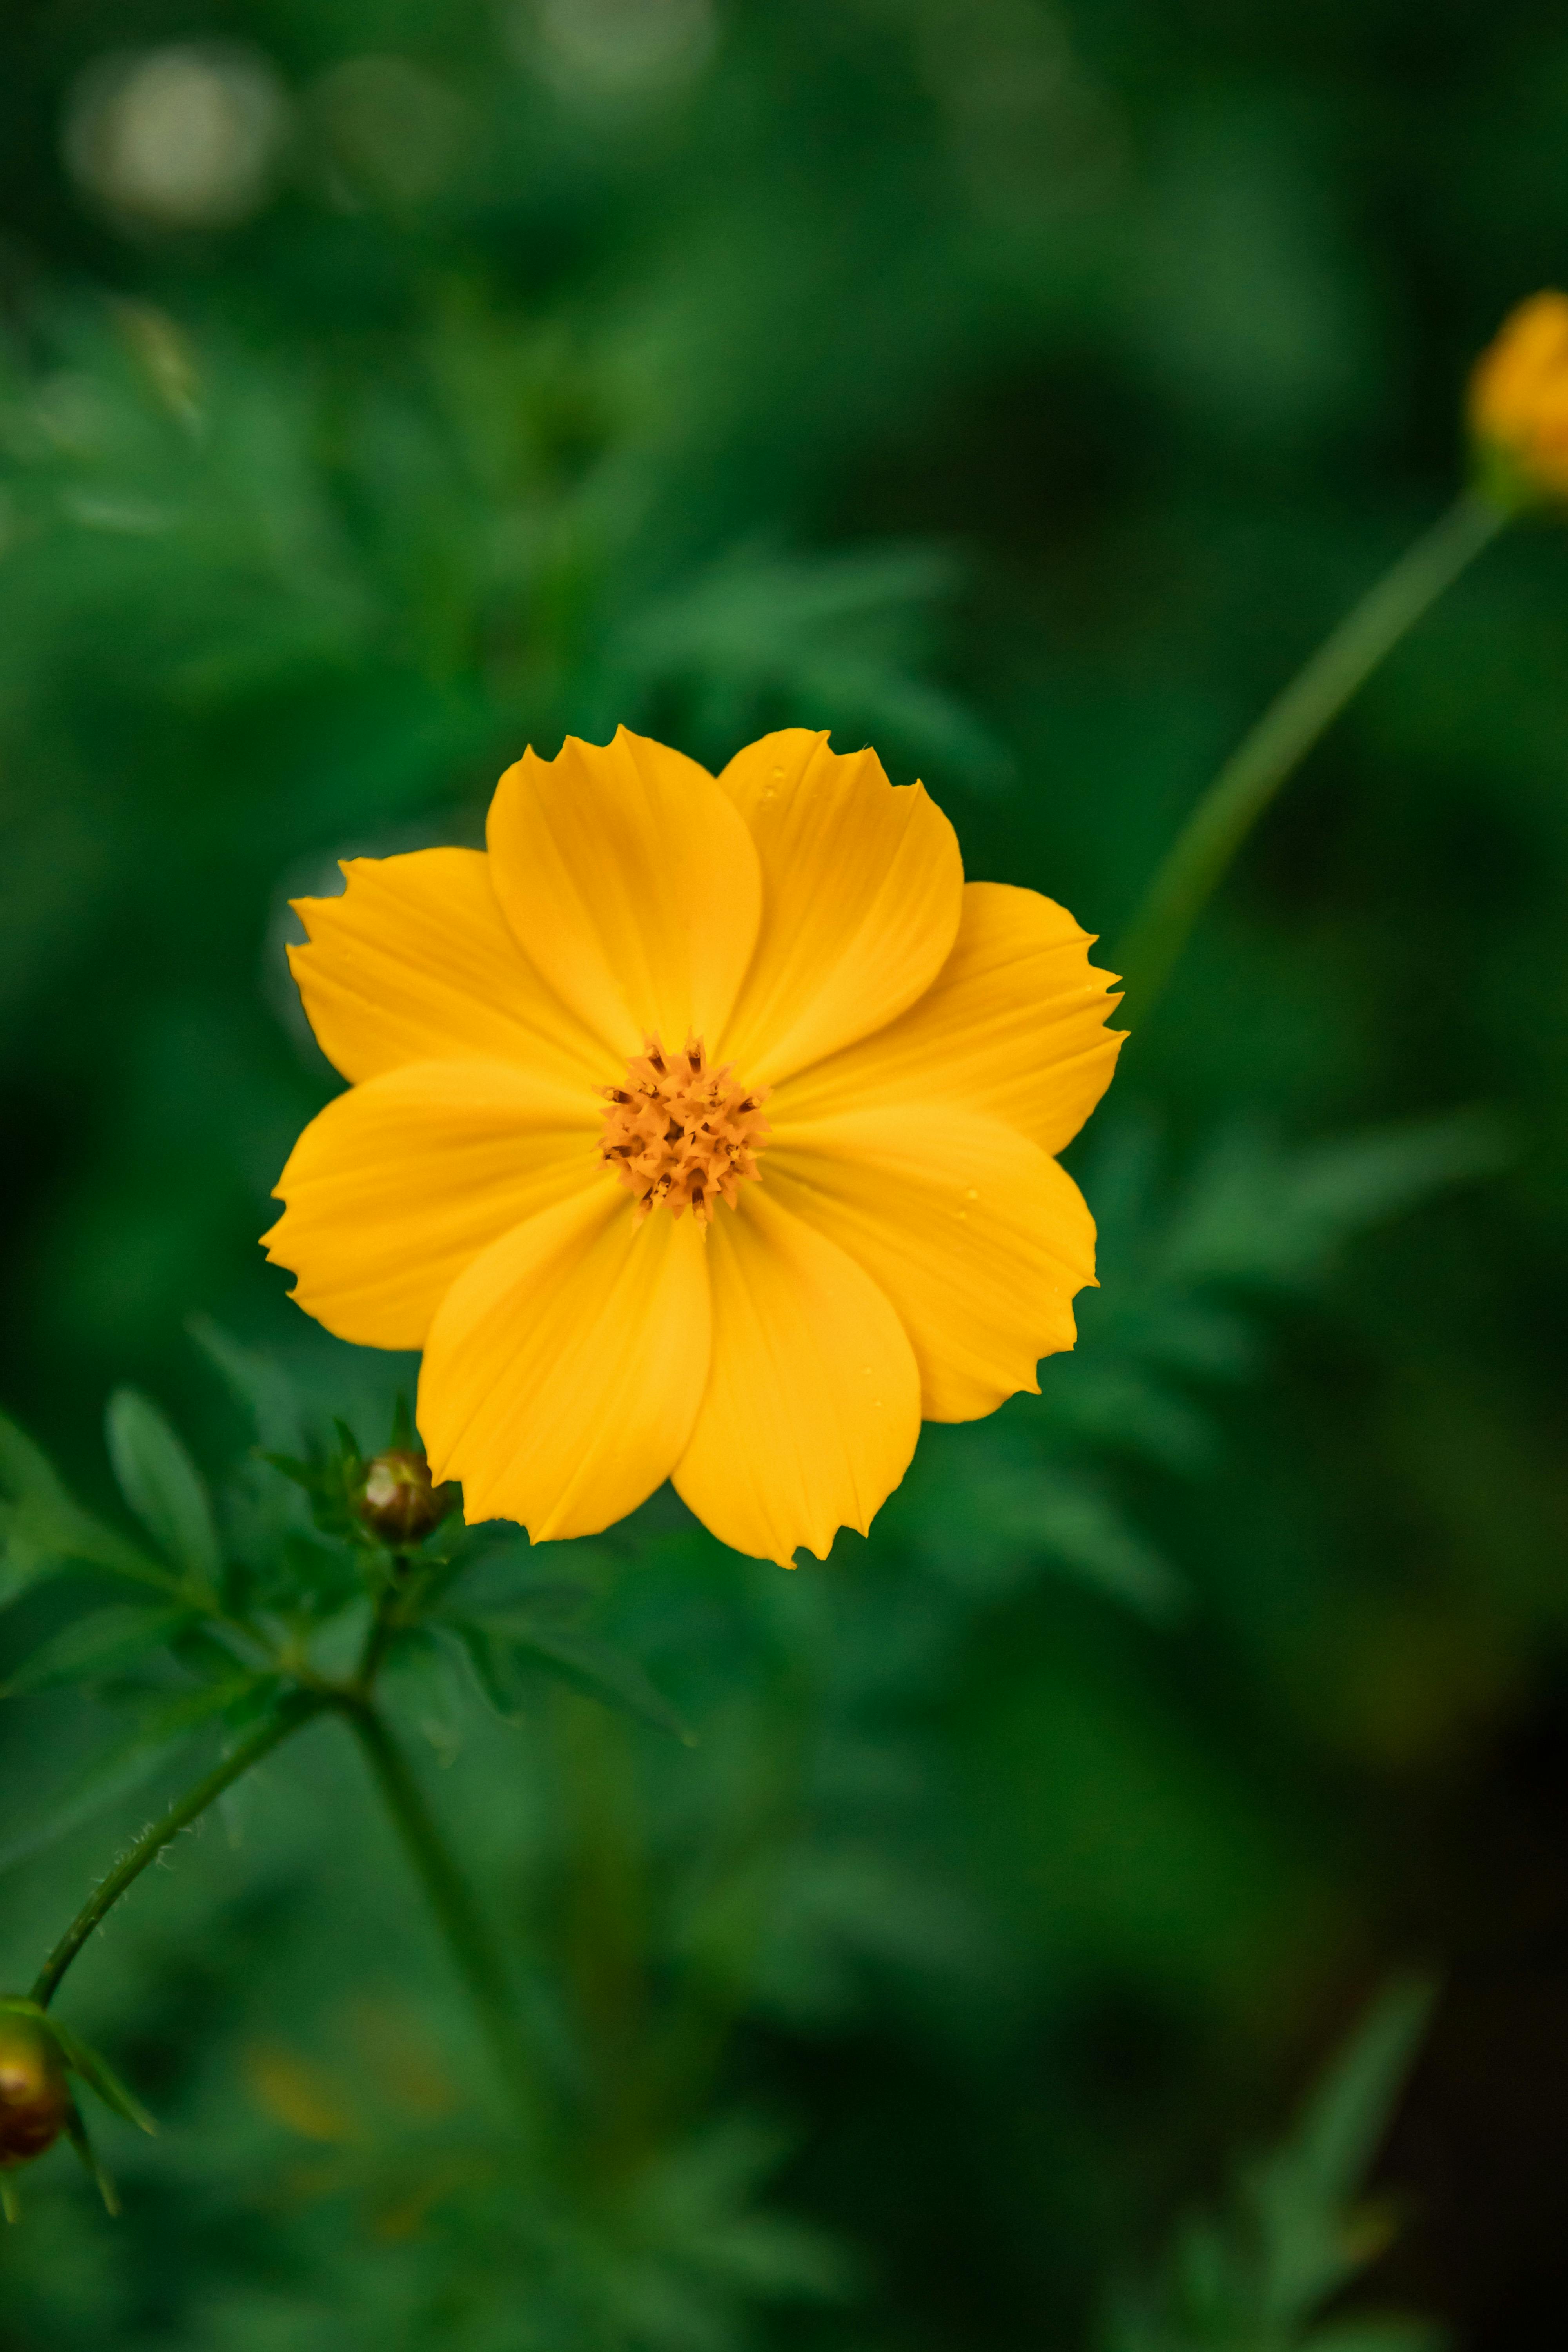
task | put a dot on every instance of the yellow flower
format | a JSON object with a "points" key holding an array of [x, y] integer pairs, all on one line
{"points": [[769, 1000], [1519, 402]]}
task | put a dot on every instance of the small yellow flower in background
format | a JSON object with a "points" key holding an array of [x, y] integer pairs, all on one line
{"points": [[1519, 403], [701, 1129]]}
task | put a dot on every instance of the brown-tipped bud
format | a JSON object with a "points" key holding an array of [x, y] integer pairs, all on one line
{"points": [[35, 2100], [398, 1503]]}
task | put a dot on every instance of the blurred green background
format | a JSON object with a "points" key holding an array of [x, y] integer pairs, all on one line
{"points": [[1024, 389]]}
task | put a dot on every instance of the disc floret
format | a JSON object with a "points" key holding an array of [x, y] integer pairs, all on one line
{"points": [[679, 1133]]}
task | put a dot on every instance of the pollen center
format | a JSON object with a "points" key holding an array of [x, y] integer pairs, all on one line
{"points": [[678, 1132]]}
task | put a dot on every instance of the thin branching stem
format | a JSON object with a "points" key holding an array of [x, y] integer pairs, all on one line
{"points": [[1203, 851], [474, 1947], [144, 1850], [468, 1935]]}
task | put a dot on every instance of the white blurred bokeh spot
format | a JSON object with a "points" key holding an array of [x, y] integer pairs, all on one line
{"points": [[187, 137], [614, 48]]}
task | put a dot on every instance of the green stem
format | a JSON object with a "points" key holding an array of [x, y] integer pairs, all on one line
{"points": [[1202, 852], [462, 1923], [382, 1625], [153, 1841]]}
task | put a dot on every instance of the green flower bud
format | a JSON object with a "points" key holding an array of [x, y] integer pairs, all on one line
{"points": [[36, 2103], [397, 1502]]}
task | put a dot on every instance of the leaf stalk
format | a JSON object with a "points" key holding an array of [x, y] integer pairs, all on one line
{"points": [[466, 1932], [1206, 846]]}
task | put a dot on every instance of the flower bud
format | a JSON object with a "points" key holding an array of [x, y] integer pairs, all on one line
{"points": [[35, 2100], [397, 1502], [1519, 404]]}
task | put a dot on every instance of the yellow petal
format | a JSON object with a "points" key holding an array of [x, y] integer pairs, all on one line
{"points": [[564, 1369], [1012, 1025], [979, 1240], [415, 962], [1518, 391], [812, 1403], [862, 884], [400, 1183], [626, 876]]}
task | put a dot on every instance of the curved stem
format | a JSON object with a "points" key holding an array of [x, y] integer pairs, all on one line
{"points": [[1202, 852], [478, 1957], [467, 1931], [161, 1833]]}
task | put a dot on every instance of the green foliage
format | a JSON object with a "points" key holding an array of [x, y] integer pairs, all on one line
{"points": [[98, 2075], [163, 1488], [44, 1531], [508, 1648], [297, 1610], [334, 1482], [678, 2252], [1263, 2275], [1251, 1222], [99, 1643]]}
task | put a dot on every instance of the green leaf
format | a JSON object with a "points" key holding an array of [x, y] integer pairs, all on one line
{"points": [[38, 1538], [99, 2076], [334, 1484], [1081, 1531], [1304, 2196], [128, 1764], [490, 1665], [163, 1485], [1350, 2112], [1295, 2232], [1259, 1216], [89, 2157], [24, 1471], [42, 1530], [97, 1644], [507, 1648], [259, 1384], [431, 1687], [842, 632], [30, 1547]]}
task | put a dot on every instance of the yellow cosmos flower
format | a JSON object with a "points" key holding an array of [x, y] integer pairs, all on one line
{"points": [[1519, 400], [701, 1129]]}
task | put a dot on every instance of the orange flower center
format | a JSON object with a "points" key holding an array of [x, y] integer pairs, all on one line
{"points": [[682, 1133]]}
